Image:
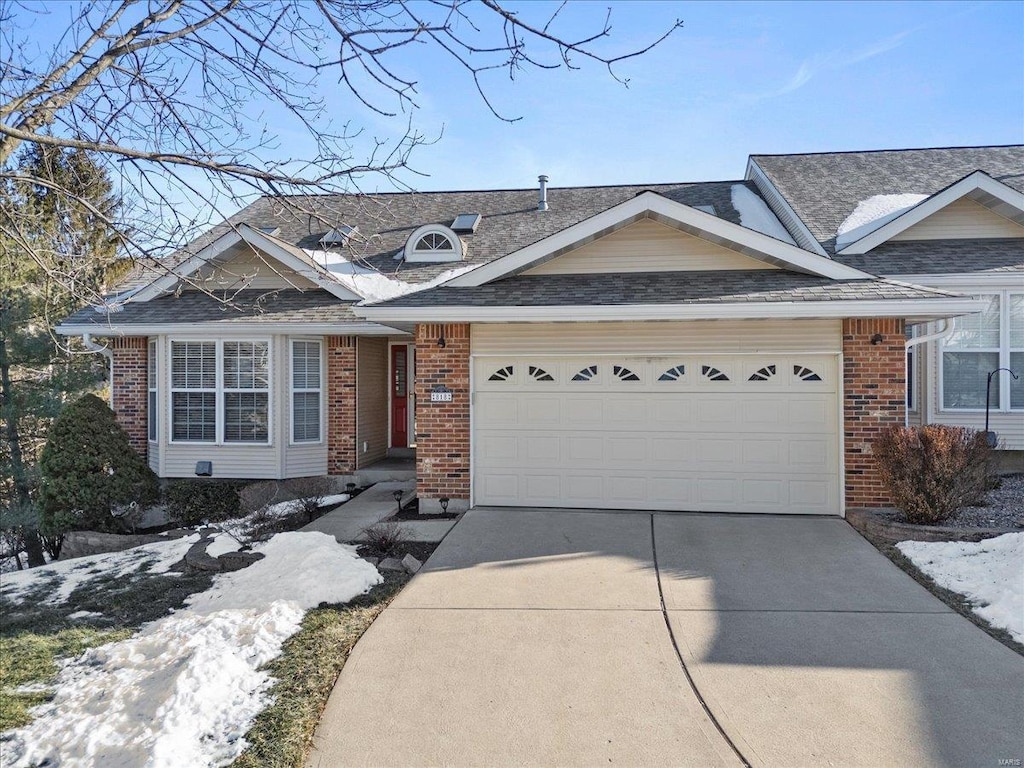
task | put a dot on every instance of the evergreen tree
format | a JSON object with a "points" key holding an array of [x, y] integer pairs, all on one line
{"points": [[52, 213]]}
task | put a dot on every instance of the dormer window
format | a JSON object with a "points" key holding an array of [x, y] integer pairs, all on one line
{"points": [[433, 243]]}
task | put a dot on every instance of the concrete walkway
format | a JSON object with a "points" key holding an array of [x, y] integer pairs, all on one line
{"points": [[542, 638], [347, 522]]}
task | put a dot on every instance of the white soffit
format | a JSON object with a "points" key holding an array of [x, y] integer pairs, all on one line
{"points": [[682, 217], [978, 186]]}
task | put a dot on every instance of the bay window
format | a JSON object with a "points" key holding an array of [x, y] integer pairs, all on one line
{"points": [[151, 415], [220, 391], [981, 343], [306, 391]]}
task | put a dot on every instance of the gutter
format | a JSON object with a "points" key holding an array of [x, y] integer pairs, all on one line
{"points": [[947, 330], [92, 346]]}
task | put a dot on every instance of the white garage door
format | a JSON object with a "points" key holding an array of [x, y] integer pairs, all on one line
{"points": [[715, 433]]}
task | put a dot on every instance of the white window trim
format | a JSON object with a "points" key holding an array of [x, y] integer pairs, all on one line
{"points": [[292, 390], [152, 391], [1003, 351], [219, 391]]}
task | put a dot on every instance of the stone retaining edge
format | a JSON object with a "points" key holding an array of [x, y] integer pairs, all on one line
{"points": [[876, 522]]}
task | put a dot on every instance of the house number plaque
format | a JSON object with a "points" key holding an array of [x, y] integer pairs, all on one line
{"points": [[440, 394]]}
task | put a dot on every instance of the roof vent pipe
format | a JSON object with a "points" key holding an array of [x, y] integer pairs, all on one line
{"points": [[542, 202]]}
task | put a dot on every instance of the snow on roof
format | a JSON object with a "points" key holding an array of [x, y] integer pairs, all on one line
{"points": [[372, 284], [756, 215], [875, 212]]}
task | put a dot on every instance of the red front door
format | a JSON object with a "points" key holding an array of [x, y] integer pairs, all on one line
{"points": [[399, 396]]}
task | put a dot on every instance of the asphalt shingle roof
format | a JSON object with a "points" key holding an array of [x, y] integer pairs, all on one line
{"points": [[824, 189], [226, 308], [937, 257], [510, 219], [707, 287]]}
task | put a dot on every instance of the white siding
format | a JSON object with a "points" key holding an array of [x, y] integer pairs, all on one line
{"points": [[961, 220], [647, 246], [721, 336], [243, 267]]}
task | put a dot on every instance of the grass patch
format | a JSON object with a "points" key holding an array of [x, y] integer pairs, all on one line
{"points": [[306, 671], [32, 658], [954, 600]]}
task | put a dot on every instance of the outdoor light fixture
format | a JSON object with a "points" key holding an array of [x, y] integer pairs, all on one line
{"points": [[877, 339], [398, 499], [990, 437], [440, 339], [444, 505]]}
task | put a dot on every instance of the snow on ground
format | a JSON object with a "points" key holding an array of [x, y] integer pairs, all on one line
{"points": [[184, 689], [989, 573], [69, 575], [875, 212], [371, 284], [756, 215]]}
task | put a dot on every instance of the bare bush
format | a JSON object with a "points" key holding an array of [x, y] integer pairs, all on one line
{"points": [[310, 493], [931, 472], [259, 496], [384, 538]]}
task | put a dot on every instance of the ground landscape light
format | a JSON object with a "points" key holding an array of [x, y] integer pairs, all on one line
{"points": [[444, 504], [398, 499]]}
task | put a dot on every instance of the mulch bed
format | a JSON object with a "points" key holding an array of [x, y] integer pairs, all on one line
{"points": [[421, 550]]}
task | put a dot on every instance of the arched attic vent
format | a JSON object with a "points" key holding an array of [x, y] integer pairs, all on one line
{"points": [[434, 243]]}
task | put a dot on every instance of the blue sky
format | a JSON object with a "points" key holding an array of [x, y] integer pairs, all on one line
{"points": [[737, 79]]}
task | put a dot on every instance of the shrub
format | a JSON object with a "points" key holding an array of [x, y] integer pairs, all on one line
{"points": [[384, 538], [310, 493], [931, 472], [258, 496], [89, 470], [193, 502]]}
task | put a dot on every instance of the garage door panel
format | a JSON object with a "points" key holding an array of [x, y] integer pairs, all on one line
{"points": [[747, 444]]}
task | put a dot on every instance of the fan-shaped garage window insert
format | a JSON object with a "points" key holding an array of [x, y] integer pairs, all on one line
{"points": [[434, 243], [586, 374], [763, 374], [675, 373], [502, 374], [624, 374], [539, 374], [805, 374], [712, 373]]}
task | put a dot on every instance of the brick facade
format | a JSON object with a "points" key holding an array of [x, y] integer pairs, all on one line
{"points": [[874, 397], [442, 429], [341, 405], [129, 387]]}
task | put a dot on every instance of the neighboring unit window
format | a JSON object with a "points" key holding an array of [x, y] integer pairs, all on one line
{"points": [[305, 391], [911, 371], [1016, 313], [968, 356], [246, 392], [194, 391], [151, 384]]}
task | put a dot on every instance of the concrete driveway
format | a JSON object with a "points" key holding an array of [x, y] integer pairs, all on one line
{"points": [[535, 637]]}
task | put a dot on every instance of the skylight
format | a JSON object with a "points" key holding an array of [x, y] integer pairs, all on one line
{"points": [[339, 235], [466, 222]]}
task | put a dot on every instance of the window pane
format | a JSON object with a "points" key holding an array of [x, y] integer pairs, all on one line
{"points": [[151, 414], [151, 363], [1017, 387], [306, 416], [306, 365], [193, 365], [194, 416], [245, 365], [1017, 322], [963, 379], [977, 331], [245, 417], [911, 380]]}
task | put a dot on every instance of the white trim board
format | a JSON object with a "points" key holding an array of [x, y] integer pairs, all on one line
{"points": [[286, 254], [916, 309], [803, 236], [979, 186], [682, 217], [212, 329]]}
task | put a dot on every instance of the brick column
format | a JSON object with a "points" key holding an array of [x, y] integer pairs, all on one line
{"points": [[129, 388], [442, 429], [874, 397], [341, 405]]}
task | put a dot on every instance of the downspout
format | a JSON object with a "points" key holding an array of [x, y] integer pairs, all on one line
{"points": [[92, 346], [945, 333]]}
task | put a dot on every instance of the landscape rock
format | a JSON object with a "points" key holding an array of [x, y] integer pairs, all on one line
{"points": [[390, 564], [372, 560], [411, 564], [236, 561]]}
